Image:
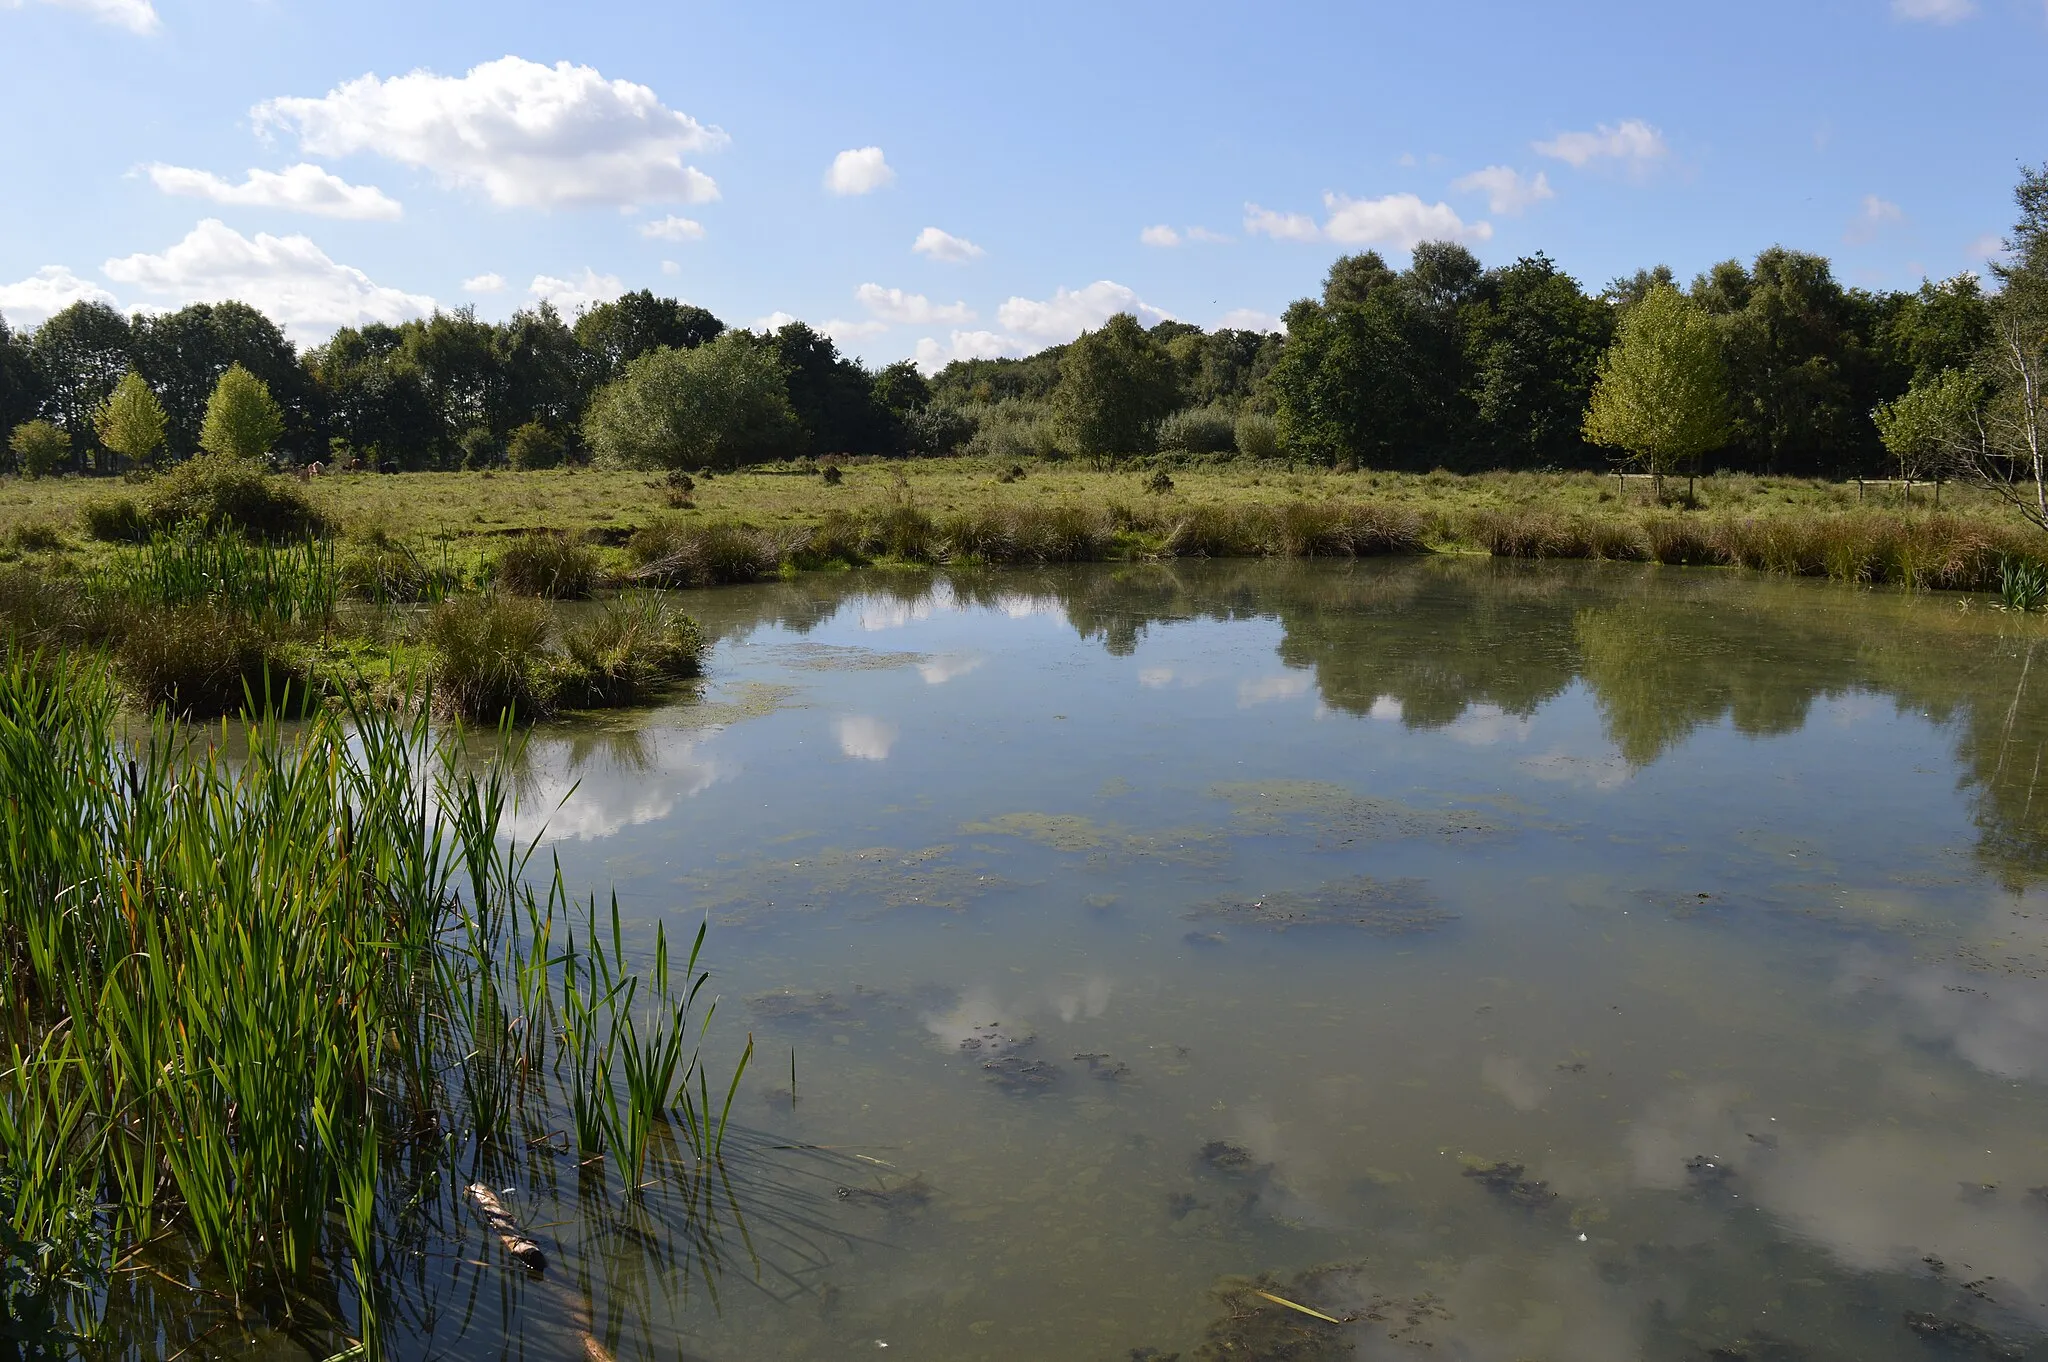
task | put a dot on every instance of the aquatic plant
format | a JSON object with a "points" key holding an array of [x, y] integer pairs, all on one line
{"points": [[552, 566], [2022, 583], [271, 976], [290, 584], [385, 572]]}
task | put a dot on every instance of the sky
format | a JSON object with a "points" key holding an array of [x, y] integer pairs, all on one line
{"points": [[932, 181]]}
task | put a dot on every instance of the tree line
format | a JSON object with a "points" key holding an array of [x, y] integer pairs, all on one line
{"points": [[1447, 363]]}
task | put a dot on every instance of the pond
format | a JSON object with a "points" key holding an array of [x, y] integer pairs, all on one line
{"points": [[1502, 961]]}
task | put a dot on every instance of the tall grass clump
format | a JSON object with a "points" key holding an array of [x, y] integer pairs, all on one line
{"points": [[263, 1011], [677, 553], [552, 566], [200, 661], [490, 657], [384, 572], [114, 520], [625, 653], [222, 492]]}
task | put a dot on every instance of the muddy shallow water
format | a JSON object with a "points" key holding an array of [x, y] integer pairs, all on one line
{"points": [[1504, 962]]}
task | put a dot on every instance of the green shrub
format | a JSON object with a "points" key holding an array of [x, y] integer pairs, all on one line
{"points": [[220, 491], [39, 448], [201, 662], [533, 445], [490, 657], [1199, 430], [114, 520], [625, 653], [547, 565], [1257, 436]]}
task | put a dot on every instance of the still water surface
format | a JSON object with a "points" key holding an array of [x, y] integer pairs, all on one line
{"points": [[1577, 962]]}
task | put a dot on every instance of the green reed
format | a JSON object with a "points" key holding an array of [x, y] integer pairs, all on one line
{"points": [[237, 988], [292, 583]]}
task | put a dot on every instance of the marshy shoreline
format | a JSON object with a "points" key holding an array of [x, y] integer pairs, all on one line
{"points": [[215, 585]]}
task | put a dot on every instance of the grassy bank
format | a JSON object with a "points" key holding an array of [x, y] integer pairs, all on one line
{"points": [[203, 586]]}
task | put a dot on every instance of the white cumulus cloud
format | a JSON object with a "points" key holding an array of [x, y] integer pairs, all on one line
{"points": [[956, 250], [894, 305], [301, 188], [673, 229], [1507, 190], [579, 293], [484, 283], [774, 321], [1871, 214], [859, 171], [48, 291], [528, 135], [933, 355], [671, 268], [1633, 143], [1399, 220], [1280, 226], [1934, 11], [137, 16], [287, 277], [1069, 312], [1162, 235], [1250, 319], [839, 330]]}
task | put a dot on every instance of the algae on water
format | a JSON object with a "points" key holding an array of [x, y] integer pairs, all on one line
{"points": [[1383, 907], [1335, 816]]}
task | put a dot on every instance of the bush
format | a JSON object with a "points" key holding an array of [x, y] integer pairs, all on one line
{"points": [[625, 654], [114, 520], [1014, 430], [1199, 430], [548, 565], [220, 491], [39, 448], [490, 657], [938, 430], [1257, 436], [201, 662], [533, 445]]}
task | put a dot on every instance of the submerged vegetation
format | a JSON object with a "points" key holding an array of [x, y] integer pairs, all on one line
{"points": [[287, 993]]}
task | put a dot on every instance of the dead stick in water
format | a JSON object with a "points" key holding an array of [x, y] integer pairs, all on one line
{"points": [[500, 1220], [528, 1255]]}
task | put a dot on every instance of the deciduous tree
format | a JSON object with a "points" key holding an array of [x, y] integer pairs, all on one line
{"points": [[1662, 394], [129, 420], [242, 419]]}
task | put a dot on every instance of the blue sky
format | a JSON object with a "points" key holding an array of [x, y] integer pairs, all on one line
{"points": [[1200, 161]]}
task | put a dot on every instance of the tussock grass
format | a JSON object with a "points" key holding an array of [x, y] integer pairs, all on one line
{"points": [[495, 656], [489, 657], [114, 520], [626, 654], [551, 566], [200, 662]]}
